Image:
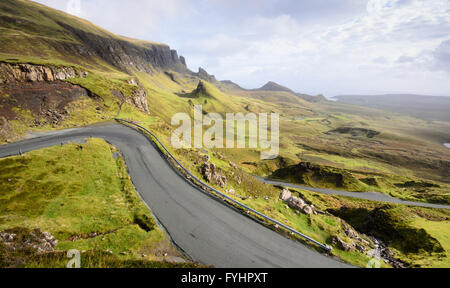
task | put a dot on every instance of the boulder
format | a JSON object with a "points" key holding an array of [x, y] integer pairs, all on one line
{"points": [[308, 210], [341, 244], [350, 232], [139, 100], [285, 194], [213, 175], [296, 203]]}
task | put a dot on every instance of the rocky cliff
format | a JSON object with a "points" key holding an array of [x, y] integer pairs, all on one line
{"points": [[127, 54], [38, 91], [202, 74], [13, 73], [32, 29]]}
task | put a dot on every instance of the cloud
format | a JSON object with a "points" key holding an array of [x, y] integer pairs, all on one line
{"points": [[137, 18], [322, 46], [442, 56], [386, 50]]}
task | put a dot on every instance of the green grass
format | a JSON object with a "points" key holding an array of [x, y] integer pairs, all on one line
{"points": [[441, 231], [407, 149], [75, 190], [318, 227]]}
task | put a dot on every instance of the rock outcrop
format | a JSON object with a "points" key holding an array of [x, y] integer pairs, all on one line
{"points": [[341, 244], [10, 73], [183, 61], [296, 203], [285, 195], [202, 74], [5, 128], [126, 54], [138, 98], [39, 90], [24, 240], [213, 174]]}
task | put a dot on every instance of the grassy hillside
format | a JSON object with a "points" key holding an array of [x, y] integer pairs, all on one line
{"points": [[346, 146], [398, 226], [82, 195]]}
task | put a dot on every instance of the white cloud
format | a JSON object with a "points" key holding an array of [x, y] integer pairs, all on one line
{"points": [[386, 50], [387, 46]]}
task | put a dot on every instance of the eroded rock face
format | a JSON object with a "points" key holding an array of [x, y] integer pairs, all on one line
{"points": [[37, 90], [341, 244], [202, 74], [47, 101], [139, 97], [10, 73], [139, 100], [126, 55], [212, 174], [5, 128]]}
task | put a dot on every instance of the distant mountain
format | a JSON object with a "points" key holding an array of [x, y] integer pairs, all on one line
{"points": [[231, 85], [275, 87], [420, 106]]}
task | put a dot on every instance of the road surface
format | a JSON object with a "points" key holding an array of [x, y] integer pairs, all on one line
{"points": [[208, 231]]}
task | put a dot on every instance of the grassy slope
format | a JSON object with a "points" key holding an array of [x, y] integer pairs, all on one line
{"points": [[399, 154], [76, 190], [321, 227], [301, 140]]}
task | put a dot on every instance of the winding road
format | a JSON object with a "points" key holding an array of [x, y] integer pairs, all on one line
{"points": [[207, 230]]}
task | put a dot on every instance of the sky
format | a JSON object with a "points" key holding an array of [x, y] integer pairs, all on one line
{"points": [[330, 47]]}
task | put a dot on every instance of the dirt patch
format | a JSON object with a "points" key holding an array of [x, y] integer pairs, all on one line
{"points": [[46, 101]]}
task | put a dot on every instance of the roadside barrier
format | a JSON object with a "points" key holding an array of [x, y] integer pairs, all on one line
{"points": [[243, 206]]}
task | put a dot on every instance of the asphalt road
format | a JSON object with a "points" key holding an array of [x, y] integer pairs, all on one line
{"points": [[373, 196], [207, 230]]}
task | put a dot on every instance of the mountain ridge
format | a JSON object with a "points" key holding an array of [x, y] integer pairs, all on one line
{"points": [[29, 28], [273, 86]]}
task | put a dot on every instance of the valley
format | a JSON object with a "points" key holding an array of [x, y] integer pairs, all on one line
{"points": [[59, 72]]}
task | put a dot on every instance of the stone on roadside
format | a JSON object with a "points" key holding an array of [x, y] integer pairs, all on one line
{"points": [[341, 244], [308, 210], [296, 203], [285, 194]]}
